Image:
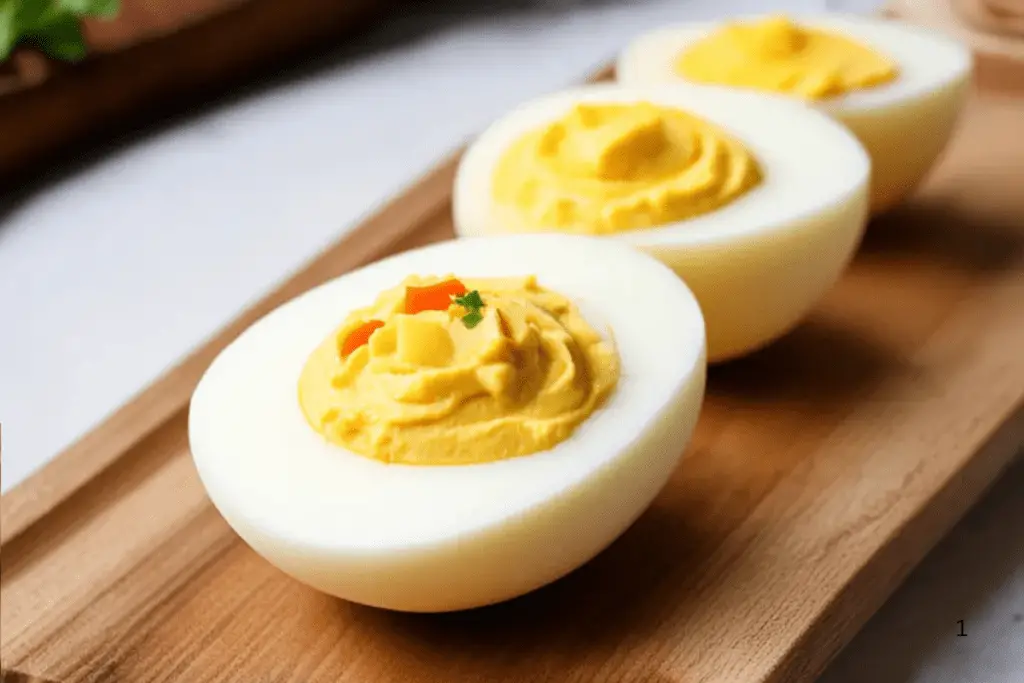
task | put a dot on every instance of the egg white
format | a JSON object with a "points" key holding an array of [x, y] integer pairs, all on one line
{"points": [[437, 538], [904, 124], [756, 265]]}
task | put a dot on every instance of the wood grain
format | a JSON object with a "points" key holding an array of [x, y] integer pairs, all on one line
{"points": [[158, 56], [822, 471]]}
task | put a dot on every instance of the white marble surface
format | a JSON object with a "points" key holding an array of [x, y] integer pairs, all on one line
{"points": [[215, 209]]}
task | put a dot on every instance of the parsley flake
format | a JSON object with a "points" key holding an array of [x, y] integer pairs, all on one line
{"points": [[472, 302]]}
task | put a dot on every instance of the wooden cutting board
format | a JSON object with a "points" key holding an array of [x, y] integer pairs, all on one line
{"points": [[822, 470], [157, 57]]}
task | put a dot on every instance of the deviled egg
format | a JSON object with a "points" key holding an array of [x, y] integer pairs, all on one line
{"points": [[899, 88], [456, 425], [756, 201]]}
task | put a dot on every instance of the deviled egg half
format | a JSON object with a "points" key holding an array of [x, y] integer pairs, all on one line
{"points": [[756, 201], [456, 425], [899, 88]]}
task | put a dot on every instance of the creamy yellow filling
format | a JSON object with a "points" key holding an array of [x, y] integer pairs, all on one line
{"points": [[607, 168], [440, 387], [775, 54]]}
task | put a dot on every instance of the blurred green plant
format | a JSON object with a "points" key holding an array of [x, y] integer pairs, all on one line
{"points": [[52, 26]]}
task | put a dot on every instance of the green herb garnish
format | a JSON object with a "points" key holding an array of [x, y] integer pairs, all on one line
{"points": [[472, 302], [52, 26]]}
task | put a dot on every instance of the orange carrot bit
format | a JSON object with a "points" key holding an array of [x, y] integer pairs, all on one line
{"points": [[359, 336], [432, 297]]}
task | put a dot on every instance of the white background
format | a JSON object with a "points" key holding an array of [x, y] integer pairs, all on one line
{"points": [[216, 209]]}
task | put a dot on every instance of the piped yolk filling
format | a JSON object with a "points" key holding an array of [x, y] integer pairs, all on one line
{"points": [[442, 371], [777, 55], [607, 168]]}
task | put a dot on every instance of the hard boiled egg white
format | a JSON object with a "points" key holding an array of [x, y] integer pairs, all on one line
{"points": [[904, 124], [436, 538], [756, 265]]}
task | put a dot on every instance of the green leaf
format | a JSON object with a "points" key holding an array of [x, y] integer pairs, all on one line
{"points": [[8, 27], [106, 8], [472, 302], [35, 14], [91, 8], [51, 25], [471, 320], [61, 38]]}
